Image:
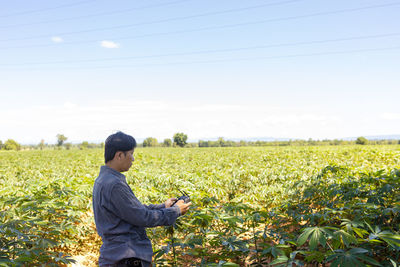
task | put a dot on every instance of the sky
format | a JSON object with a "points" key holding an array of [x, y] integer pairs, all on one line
{"points": [[320, 69]]}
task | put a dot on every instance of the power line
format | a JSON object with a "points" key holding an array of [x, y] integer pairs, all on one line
{"points": [[94, 15], [210, 28], [278, 57], [158, 21], [185, 31], [210, 51], [46, 9], [242, 59]]}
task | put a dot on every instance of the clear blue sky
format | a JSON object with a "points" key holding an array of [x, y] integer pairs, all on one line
{"points": [[236, 69]]}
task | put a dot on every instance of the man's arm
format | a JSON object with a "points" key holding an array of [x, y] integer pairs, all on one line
{"points": [[168, 203], [125, 205], [155, 206]]}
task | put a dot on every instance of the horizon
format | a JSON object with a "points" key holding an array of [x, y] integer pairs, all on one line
{"points": [[292, 69], [140, 140]]}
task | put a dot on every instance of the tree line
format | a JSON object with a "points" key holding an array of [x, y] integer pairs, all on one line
{"points": [[180, 140], [11, 144]]}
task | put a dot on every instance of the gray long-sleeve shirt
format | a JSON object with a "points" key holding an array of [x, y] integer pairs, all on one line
{"points": [[121, 219]]}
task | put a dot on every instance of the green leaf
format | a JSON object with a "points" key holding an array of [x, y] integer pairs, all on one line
{"points": [[357, 250], [280, 260], [351, 258], [304, 236], [393, 263], [390, 238], [316, 235], [369, 260], [230, 264], [360, 232], [344, 237]]}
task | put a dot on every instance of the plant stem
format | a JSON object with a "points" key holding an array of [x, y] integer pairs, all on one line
{"points": [[330, 246], [173, 245], [255, 242]]}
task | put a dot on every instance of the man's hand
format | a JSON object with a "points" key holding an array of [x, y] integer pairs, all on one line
{"points": [[183, 206], [170, 201]]}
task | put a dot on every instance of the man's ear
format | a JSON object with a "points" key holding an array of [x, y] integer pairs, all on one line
{"points": [[118, 155]]}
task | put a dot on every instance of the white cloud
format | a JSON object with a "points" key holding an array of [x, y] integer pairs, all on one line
{"points": [[69, 105], [160, 119], [57, 39], [109, 44]]}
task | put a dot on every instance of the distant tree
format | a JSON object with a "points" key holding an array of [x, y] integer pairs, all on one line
{"points": [[1, 144], [61, 139], [213, 143], [337, 142], [361, 140], [221, 142], [150, 141], [180, 139], [41, 144], [203, 143], [312, 142], [68, 146], [192, 145], [167, 142], [259, 143], [84, 145], [10, 144]]}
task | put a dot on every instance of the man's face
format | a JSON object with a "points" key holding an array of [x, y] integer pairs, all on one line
{"points": [[126, 160]]}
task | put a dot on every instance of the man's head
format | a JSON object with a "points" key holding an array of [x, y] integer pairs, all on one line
{"points": [[119, 151]]}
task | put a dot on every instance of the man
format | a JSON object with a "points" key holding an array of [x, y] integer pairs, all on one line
{"points": [[120, 217]]}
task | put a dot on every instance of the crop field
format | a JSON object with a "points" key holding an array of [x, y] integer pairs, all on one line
{"points": [[252, 206]]}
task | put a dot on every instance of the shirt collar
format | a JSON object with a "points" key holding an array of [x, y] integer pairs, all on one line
{"points": [[105, 168]]}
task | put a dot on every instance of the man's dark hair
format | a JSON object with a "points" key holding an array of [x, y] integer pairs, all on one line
{"points": [[118, 142]]}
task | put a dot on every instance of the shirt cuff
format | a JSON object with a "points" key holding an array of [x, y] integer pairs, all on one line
{"points": [[178, 210], [160, 206]]}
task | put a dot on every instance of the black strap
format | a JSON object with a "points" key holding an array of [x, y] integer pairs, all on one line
{"points": [[129, 262]]}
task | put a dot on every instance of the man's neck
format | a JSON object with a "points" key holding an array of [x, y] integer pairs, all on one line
{"points": [[113, 166]]}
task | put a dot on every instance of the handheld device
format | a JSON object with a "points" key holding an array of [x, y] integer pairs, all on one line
{"points": [[185, 197]]}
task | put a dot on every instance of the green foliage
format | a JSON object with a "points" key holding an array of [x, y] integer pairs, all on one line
{"points": [[84, 145], [150, 141], [41, 144], [361, 141], [180, 139], [316, 236], [351, 258], [11, 144], [68, 146], [33, 228], [255, 206], [41, 212], [167, 142], [61, 139], [36, 224], [219, 143], [285, 261]]}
